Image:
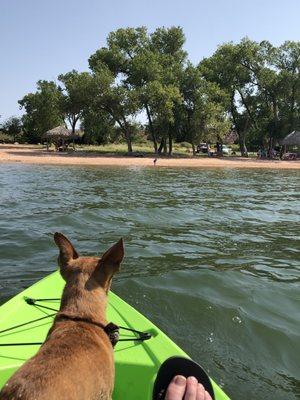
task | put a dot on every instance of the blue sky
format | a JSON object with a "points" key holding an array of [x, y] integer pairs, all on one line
{"points": [[41, 39]]}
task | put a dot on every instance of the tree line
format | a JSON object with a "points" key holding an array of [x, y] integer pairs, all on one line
{"points": [[250, 88]]}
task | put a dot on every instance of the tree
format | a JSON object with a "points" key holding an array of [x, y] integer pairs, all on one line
{"points": [[98, 126], [115, 99], [263, 83], [202, 115], [161, 100], [279, 85], [232, 68], [12, 127], [287, 61], [75, 95], [144, 63], [42, 110]]}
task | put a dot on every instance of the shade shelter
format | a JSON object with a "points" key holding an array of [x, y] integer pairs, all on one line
{"points": [[291, 143], [292, 139], [60, 136]]}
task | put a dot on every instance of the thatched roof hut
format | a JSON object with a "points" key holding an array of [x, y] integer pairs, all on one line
{"points": [[60, 132], [61, 137], [292, 139]]}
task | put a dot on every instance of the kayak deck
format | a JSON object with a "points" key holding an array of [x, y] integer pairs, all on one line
{"points": [[137, 362]]}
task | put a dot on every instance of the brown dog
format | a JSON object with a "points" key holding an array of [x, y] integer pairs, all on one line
{"points": [[76, 360]]}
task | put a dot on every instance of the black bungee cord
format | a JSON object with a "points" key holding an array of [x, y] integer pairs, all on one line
{"points": [[33, 302]]}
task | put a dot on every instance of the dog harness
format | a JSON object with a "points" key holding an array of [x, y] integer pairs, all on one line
{"points": [[111, 329]]}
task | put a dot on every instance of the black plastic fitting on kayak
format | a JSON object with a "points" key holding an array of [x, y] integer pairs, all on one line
{"points": [[29, 301], [145, 336]]}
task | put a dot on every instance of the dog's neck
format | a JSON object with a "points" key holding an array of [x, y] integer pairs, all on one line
{"points": [[90, 304]]}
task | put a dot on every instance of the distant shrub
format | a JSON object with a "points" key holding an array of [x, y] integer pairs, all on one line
{"points": [[5, 138], [235, 147], [141, 139], [185, 145]]}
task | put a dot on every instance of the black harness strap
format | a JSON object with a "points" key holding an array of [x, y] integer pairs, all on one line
{"points": [[110, 329]]}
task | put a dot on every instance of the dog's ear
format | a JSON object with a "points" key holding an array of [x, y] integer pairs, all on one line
{"points": [[67, 251], [114, 255], [112, 258]]}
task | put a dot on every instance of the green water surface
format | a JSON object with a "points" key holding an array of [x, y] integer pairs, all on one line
{"points": [[212, 257]]}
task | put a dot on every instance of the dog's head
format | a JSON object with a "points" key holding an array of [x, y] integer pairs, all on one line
{"points": [[91, 271]]}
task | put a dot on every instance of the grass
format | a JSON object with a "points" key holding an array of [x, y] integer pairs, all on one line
{"points": [[145, 149], [121, 149], [179, 149]]}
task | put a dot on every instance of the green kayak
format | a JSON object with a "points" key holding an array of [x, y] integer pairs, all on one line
{"points": [[137, 362]]}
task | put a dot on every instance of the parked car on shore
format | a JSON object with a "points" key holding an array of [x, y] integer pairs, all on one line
{"points": [[203, 148]]}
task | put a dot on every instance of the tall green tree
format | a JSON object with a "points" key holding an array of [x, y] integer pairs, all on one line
{"points": [[147, 65], [279, 88], [13, 127], [288, 62], [76, 89], [166, 44], [202, 114], [263, 84], [162, 100], [231, 67], [115, 99], [98, 126], [42, 110]]}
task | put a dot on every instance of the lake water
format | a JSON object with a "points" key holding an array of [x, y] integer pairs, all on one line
{"points": [[212, 257]]}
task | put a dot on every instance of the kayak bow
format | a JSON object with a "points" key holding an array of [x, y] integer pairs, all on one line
{"points": [[27, 317]]}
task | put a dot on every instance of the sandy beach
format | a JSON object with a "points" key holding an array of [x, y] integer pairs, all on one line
{"points": [[32, 155]]}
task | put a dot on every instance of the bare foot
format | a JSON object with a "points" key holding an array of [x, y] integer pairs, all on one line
{"points": [[186, 389]]}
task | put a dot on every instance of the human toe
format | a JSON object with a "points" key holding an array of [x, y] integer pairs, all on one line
{"points": [[176, 389], [191, 388], [200, 392]]}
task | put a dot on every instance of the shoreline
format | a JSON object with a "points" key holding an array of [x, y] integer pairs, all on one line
{"points": [[27, 154]]}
